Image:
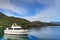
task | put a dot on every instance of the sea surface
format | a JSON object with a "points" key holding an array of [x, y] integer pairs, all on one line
{"points": [[44, 33]]}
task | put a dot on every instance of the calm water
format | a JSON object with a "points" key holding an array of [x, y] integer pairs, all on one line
{"points": [[45, 33]]}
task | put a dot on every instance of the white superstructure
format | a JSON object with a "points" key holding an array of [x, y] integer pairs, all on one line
{"points": [[14, 29]]}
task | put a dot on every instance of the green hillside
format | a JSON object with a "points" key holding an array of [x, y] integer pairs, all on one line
{"points": [[6, 21]]}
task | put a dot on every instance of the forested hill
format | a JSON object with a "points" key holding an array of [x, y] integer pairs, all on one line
{"points": [[6, 21]]}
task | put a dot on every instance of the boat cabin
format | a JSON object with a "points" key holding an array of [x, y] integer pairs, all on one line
{"points": [[14, 27]]}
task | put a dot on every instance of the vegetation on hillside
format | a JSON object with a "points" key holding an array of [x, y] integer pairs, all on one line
{"points": [[6, 21]]}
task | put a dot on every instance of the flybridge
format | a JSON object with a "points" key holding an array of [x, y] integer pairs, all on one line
{"points": [[15, 26]]}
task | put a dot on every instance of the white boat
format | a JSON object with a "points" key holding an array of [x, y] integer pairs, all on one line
{"points": [[14, 29]]}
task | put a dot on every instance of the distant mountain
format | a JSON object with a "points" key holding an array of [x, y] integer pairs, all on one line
{"points": [[39, 23], [55, 22]]}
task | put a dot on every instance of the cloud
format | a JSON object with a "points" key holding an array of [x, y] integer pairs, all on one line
{"points": [[51, 12], [45, 15], [7, 5], [33, 10], [48, 3]]}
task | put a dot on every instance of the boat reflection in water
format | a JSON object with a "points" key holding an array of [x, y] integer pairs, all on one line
{"points": [[15, 37]]}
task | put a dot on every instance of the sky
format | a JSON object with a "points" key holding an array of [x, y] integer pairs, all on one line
{"points": [[32, 10]]}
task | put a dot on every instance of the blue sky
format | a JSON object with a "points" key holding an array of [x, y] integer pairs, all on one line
{"points": [[32, 10]]}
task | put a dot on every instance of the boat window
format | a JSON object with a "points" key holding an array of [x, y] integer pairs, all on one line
{"points": [[10, 29], [17, 28]]}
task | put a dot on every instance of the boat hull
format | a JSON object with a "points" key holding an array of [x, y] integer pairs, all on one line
{"points": [[15, 31]]}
